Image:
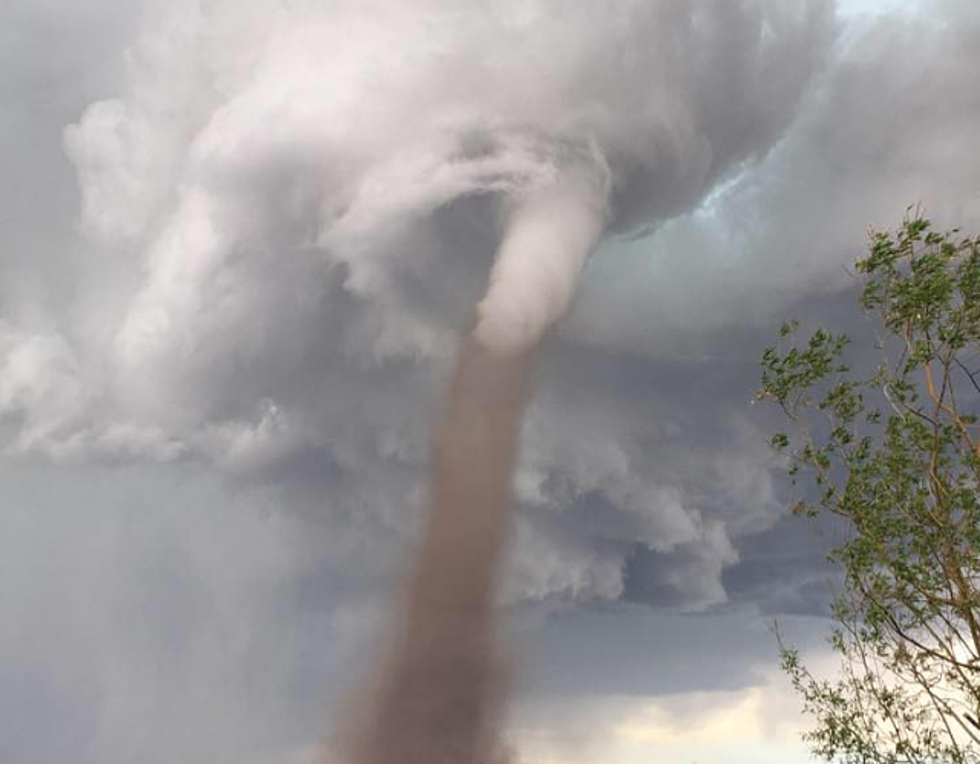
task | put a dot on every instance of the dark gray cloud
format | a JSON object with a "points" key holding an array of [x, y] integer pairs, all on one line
{"points": [[668, 653], [784, 569], [263, 382]]}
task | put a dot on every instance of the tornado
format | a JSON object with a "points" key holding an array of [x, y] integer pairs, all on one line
{"points": [[439, 699]]}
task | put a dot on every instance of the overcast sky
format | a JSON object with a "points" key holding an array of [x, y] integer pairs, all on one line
{"points": [[237, 240]]}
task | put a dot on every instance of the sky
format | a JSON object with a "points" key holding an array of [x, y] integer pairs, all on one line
{"points": [[237, 242]]}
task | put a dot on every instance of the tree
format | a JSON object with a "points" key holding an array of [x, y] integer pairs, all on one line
{"points": [[894, 451]]}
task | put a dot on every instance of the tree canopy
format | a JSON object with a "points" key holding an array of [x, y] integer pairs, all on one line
{"points": [[893, 448]]}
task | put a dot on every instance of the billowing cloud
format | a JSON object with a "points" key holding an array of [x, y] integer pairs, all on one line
{"points": [[296, 206], [289, 212], [890, 124]]}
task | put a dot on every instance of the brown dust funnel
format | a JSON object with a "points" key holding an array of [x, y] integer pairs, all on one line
{"points": [[438, 700]]}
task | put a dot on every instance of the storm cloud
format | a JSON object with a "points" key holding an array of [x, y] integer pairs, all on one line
{"points": [[238, 240]]}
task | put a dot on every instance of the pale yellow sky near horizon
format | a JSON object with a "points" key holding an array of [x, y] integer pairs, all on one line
{"points": [[757, 725]]}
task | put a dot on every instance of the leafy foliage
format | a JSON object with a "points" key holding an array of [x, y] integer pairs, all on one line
{"points": [[896, 453]]}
